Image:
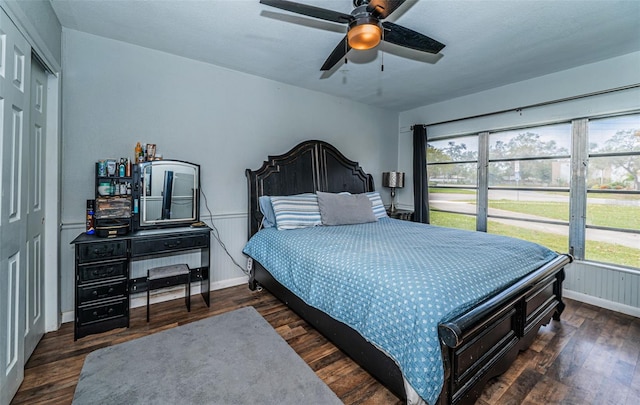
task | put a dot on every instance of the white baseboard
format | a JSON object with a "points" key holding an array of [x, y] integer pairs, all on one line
{"points": [[171, 294], [231, 282], [67, 317], [178, 292], [599, 302]]}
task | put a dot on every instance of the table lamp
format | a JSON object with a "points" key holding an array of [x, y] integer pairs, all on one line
{"points": [[393, 180]]}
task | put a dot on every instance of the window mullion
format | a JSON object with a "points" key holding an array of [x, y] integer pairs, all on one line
{"points": [[482, 202], [578, 189]]}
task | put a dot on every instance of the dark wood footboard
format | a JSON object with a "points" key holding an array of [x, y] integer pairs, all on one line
{"points": [[483, 342]]}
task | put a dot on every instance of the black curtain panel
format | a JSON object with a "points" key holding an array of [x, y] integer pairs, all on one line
{"points": [[420, 190]]}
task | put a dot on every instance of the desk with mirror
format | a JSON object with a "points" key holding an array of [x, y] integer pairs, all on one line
{"points": [[165, 224]]}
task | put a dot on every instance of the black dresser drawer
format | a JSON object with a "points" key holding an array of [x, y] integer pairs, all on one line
{"points": [[103, 271], [96, 292], [90, 252], [143, 247], [97, 313]]}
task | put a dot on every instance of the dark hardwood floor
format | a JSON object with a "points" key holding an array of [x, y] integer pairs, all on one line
{"points": [[590, 357]]}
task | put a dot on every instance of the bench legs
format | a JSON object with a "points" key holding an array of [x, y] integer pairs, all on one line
{"points": [[166, 276]]}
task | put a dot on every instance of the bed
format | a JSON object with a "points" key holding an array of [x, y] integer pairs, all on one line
{"points": [[476, 340]]}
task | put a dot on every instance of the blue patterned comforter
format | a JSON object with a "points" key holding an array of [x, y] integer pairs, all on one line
{"points": [[394, 281]]}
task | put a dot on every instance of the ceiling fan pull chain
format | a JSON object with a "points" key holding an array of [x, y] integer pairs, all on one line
{"points": [[382, 55], [346, 50]]}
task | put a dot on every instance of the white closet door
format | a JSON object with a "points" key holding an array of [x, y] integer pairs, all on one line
{"points": [[34, 326], [15, 68]]}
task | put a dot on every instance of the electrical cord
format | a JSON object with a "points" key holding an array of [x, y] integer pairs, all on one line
{"points": [[216, 235]]}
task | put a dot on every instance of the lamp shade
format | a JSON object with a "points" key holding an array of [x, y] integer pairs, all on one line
{"points": [[365, 36], [393, 179]]}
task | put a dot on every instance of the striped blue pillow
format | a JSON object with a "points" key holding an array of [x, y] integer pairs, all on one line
{"points": [[376, 203], [296, 211]]}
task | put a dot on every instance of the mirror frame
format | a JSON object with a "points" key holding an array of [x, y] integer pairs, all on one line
{"points": [[140, 197]]}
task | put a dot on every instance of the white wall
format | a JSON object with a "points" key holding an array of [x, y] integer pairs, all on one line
{"points": [[584, 281], [604, 75], [115, 94]]}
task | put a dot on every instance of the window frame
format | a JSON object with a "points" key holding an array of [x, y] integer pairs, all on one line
{"points": [[577, 190], [450, 186], [580, 247]]}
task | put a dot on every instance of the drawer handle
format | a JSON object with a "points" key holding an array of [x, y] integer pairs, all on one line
{"points": [[108, 271], [95, 292], [109, 312], [172, 245], [104, 252]]}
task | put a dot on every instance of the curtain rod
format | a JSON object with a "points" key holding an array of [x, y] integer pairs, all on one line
{"points": [[544, 103]]}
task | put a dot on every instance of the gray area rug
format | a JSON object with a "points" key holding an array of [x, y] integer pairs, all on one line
{"points": [[233, 358]]}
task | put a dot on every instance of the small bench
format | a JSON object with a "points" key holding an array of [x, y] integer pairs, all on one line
{"points": [[167, 276]]}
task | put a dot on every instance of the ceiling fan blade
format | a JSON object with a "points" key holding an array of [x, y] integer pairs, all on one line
{"points": [[338, 53], [382, 8], [399, 35], [310, 11]]}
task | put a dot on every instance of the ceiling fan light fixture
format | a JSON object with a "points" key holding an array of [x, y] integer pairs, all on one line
{"points": [[365, 27], [364, 36]]}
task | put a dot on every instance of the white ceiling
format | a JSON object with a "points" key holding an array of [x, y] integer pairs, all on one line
{"points": [[489, 43]]}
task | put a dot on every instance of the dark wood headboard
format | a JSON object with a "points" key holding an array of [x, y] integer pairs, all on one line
{"points": [[309, 167]]}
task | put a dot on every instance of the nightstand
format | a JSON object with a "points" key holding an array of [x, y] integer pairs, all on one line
{"points": [[405, 215]]}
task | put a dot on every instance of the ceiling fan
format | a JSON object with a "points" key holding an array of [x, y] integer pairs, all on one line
{"points": [[365, 30]]}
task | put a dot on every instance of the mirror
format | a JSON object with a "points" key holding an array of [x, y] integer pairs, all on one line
{"points": [[168, 193]]}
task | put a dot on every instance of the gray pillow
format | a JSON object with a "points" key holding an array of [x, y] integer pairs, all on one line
{"points": [[341, 209]]}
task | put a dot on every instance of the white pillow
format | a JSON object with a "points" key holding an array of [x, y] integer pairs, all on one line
{"points": [[296, 211]]}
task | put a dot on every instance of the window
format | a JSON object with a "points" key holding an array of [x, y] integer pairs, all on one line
{"points": [[613, 191], [518, 183], [453, 182], [529, 171]]}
